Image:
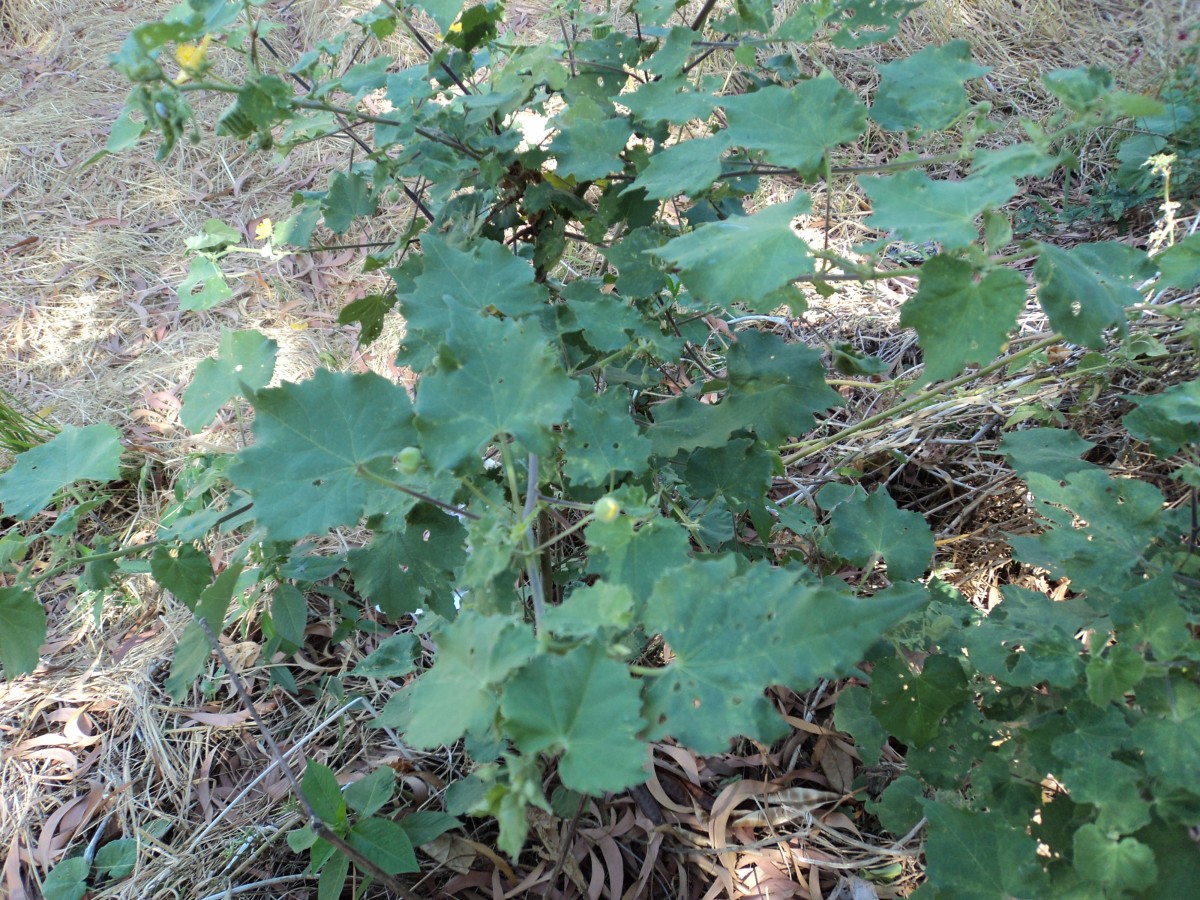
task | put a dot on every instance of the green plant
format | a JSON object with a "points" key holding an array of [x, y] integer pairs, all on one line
{"points": [[21, 430], [68, 880], [1135, 183], [579, 499]]}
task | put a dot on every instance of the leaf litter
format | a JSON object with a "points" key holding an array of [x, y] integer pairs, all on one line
{"points": [[94, 751]]}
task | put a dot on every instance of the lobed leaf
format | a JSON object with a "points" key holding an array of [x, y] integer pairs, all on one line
{"points": [[91, 453]]}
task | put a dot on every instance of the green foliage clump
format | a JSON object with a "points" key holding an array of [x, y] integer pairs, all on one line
{"points": [[577, 506]]}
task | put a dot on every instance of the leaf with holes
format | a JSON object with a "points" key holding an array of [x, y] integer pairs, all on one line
{"points": [[405, 570], [91, 453], [1085, 290], [603, 441], [245, 362]]}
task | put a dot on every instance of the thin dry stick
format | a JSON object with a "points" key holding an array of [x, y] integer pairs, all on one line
{"points": [[314, 821], [241, 795]]}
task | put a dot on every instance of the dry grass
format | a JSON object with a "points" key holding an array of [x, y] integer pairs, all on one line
{"points": [[92, 331]]}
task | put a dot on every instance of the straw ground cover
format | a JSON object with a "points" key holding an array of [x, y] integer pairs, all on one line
{"points": [[103, 339]]}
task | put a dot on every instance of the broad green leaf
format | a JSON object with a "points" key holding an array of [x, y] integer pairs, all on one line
{"points": [[1112, 675], [349, 196], [740, 472], [1093, 734], [853, 715], [289, 613], [669, 100], [334, 872], [67, 880], [91, 453], [184, 570], [493, 542], [1053, 452], [910, 704], [22, 631], [427, 825], [493, 377], [962, 318], [589, 141], [126, 131], [684, 423], [803, 23], [916, 208], [1180, 264], [444, 12], [323, 793], [367, 795], [870, 21], [116, 859], [689, 167], [206, 275], [1120, 517], [592, 610], [1175, 857], [795, 127], [369, 312], [1167, 420], [476, 655], [311, 439], [863, 530], [733, 634], [1114, 788], [1028, 639], [385, 843], [188, 661], [925, 92], [362, 78], [585, 706], [744, 258], [485, 276], [1080, 90], [1085, 290], [774, 386], [603, 442], [214, 600], [402, 571], [638, 275], [636, 559], [1023, 160], [214, 237], [244, 358], [672, 52], [394, 658], [980, 856], [899, 808], [1118, 864], [1171, 746]]}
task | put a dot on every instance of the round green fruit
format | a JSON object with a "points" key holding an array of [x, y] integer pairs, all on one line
{"points": [[408, 460], [606, 509]]}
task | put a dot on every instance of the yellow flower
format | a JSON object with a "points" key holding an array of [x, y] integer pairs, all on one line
{"points": [[191, 58], [263, 231]]}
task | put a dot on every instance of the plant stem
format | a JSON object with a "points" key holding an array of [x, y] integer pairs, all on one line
{"points": [[793, 453], [363, 472]]}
